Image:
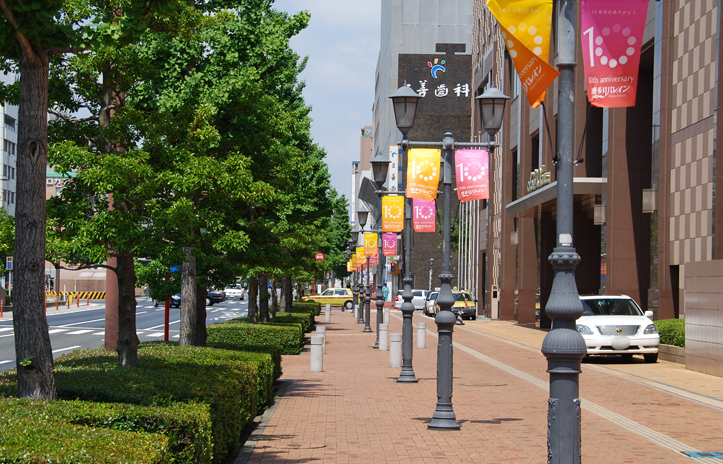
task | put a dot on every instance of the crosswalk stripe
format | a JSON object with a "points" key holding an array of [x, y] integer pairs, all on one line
{"points": [[5, 362], [157, 334], [99, 333], [5, 329], [79, 332], [54, 331]]}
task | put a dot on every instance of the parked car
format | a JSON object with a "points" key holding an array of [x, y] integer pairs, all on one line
{"points": [[333, 296], [235, 291], [464, 305], [419, 299], [615, 325], [215, 296], [176, 300], [429, 303]]}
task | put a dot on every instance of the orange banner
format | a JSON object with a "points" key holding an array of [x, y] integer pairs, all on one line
{"points": [[370, 244], [423, 171], [392, 213], [526, 27]]}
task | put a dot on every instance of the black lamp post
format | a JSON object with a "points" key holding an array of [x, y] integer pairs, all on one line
{"points": [[362, 216], [444, 417], [431, 271], [380, 167], [354, 242]]}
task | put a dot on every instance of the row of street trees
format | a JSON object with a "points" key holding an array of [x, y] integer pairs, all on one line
{"points": [[188, 139]]}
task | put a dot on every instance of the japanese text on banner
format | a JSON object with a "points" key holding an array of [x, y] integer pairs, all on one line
{"points": [[423, 215], [393, 174], [472, 167], [612, 33], [423, 170], [526, 27], [370, 244], [392, 213], [390, 244]]}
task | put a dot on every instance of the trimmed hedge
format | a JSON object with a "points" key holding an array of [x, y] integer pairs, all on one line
{"points": [[672, 331], [306, 306], [288, 337], [167, 373], [303, 319], [34, 432]]}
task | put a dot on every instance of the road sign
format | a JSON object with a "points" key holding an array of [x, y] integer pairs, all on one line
{"points": [[320, 256], [9, 263]]}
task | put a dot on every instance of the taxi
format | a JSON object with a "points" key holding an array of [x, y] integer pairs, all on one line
{"points": [[333, 296], [464, 305]]}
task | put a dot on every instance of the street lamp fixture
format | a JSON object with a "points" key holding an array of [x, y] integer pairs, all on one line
{"points": [[354, 238], [380, 168], [492, 109], [362, 215], [405, 102]]}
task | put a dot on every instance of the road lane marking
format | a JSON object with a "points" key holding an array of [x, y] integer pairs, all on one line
{"points": [[162, 325], [157, 334], [54, 331], [99, 333], [11, 335], [66, 349], [142, 312], [84, 322], [5, 329], [5, 362], [79, 332]]}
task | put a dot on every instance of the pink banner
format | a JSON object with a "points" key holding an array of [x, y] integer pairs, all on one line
{"points": [[390, 244], [374, 259], [612, 33], [473, 179], [423, 215]]}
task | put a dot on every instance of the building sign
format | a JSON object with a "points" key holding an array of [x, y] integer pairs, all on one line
{"points": [[472, 169], [394, 182], [392, 213], [538, 179], [423, 215], [423, 171], [612, 33]]}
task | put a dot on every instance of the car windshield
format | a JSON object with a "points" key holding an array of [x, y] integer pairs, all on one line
{"points": [[461, 297], [432, 296], [610, 307]]}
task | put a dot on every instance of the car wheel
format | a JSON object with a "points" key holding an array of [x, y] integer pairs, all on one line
{"points": [[349, 305], [651, 358], [473, 317], [209, 302]]}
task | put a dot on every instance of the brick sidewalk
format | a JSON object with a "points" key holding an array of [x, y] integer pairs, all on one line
{"points": [[356, 412]]}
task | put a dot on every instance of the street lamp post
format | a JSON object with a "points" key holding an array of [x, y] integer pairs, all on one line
{"points": [[563, 346], [380, 167], [362, 216], [355, 288], [431, 270], [492, 103]]}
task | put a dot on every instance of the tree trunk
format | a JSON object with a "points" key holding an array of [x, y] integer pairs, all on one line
{"points": [[127, 346], [201, 333], [274, 298], [289, 294], [263, 298], [189, 316], [284, 294], [33, 351], [253, 295]]}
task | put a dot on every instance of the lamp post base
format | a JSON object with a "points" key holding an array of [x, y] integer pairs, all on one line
{"points": [[444, 419]]}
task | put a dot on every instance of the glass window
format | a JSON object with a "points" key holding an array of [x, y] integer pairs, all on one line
{"points": [[341, 292], [328, 293], [610, 307], [461, 297]]}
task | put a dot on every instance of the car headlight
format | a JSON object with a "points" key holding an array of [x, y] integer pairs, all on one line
{"points": [[585, 330], [651, 329]]}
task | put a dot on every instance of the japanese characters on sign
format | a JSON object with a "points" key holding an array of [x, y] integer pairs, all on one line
{"points": [[374, 259], [423, 215], [389, 242], [612, 33], [472, 169], [525, 27], [393, 180], [370, 244], [392, 213], [423, 171]]}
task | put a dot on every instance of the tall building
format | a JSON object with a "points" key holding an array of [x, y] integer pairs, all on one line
{"points": [[9, 114]]}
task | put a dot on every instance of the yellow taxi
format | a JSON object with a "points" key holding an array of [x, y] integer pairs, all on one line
{"points": [[333, 296], [464, 305]]}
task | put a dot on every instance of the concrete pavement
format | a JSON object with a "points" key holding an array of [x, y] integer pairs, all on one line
{"points": [[354, 411]]}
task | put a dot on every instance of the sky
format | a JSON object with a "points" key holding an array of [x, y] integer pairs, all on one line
{"points": [[342, 43]]}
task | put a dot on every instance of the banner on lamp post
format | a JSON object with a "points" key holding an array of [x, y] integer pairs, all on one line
{"points": [[423, 215], [393, 173], [370, 244], [423, 173], [526, 29], [348, 266], [374, 259], [389, 242], [472, 167], [612, 34], [392, 213]]}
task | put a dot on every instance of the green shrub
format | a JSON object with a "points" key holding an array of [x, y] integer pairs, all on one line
{"points": [[288, 337], [167, 373], [672, 331], [304, 319], [33, 432], [306, 306]]}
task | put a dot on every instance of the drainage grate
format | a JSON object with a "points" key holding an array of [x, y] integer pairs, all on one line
{"points": [[701, 454]]}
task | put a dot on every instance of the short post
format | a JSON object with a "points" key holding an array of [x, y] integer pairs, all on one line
{"points": [[77, 301], [327, 313], [2, 306], [386, 315], [57, 303], [421, 335], [321, 331], [317, 360], [69, 300], [383, 337], [88, 304], [395, 350]]}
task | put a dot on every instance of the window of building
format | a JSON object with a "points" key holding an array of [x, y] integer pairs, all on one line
{"points": [[9, 123], [9, 147]]}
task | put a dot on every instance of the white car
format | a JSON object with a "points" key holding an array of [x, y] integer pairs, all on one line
{"points": [[419, 299], [615, 325], [429, 303], [235, 291]]}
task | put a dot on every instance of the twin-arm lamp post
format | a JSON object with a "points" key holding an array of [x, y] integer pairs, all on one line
{"points": [[362, 215], [404, 101]]}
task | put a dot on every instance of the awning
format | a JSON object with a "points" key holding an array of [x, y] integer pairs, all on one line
{"points": [[526, 205]]}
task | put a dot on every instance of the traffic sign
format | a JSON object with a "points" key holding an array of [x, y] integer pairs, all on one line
{"points": [[9, 263], [320, 256]]}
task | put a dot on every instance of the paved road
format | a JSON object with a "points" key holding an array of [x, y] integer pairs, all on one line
{"points": [[83, 327]]}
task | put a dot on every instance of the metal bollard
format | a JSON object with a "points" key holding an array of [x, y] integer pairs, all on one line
{"points": [[321, 331], [383, 337], [395, 350], [327, 311], [421, 335], [317, 357], [386, 315]]}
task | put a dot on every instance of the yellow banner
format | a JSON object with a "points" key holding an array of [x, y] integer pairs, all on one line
{"points": [[423, 169], [348, 266], [392, 213], [370, 244], [526, 26]]}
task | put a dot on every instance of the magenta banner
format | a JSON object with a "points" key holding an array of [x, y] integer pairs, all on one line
{"points": [[612, 33], [472, 167], [390, 244], [423, 212]]}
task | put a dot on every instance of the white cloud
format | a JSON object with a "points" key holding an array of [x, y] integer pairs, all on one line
{"points": [[342, 43]]}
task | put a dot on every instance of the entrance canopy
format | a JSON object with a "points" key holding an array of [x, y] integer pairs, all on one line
{"points": [[527, 205]]}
